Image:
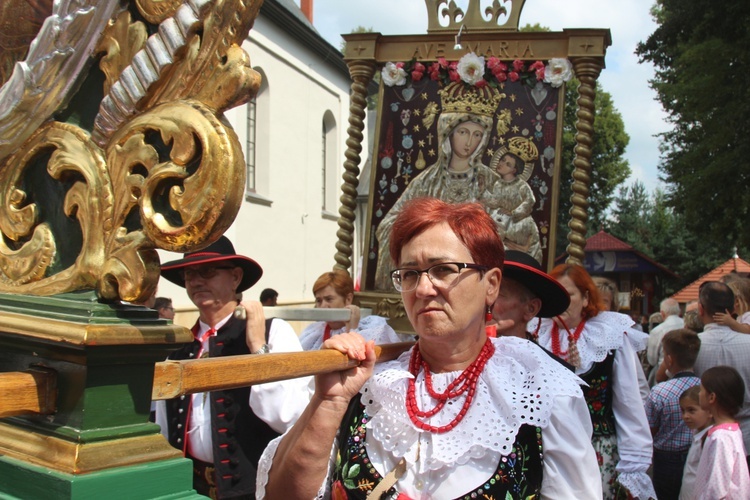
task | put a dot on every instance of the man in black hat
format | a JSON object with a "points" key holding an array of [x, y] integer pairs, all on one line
{"points": [[225, 432], [526, 292]]}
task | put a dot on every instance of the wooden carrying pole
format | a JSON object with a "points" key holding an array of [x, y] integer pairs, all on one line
{"points": [[177, 378], [32, 392]]}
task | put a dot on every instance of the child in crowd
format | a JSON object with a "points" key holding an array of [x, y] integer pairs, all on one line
{"points": [[672, 437], [697, 420], [741, 289], [722, 470]]}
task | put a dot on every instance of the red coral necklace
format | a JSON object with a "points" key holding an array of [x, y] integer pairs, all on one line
{"points": [[464, 383], [572, 341]]}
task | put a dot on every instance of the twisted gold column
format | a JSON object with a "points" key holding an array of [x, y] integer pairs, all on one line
{"points": [[361, 73], [587, 70]]}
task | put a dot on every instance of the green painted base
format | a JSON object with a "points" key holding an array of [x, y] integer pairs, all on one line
{"points": [[165, 479]]}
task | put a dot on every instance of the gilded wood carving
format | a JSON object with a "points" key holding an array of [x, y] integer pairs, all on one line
{"points": [[112, 141]]}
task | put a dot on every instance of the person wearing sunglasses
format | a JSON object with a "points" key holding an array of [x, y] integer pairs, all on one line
{"points": [[224, 432], [459, 415]]}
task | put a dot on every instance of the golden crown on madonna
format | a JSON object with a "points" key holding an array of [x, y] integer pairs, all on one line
{"points": [[458, 97]]}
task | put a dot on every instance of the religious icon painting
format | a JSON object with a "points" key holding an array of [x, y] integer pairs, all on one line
{"points": [[478, 129]]}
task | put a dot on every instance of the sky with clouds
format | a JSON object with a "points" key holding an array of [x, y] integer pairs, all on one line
{"points": [[624, 78]]}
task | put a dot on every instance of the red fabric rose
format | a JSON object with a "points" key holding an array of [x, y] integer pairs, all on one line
{"points": [[540, 74], [514, 77], [536, 66], [434, 71], [481, 83], [453, 71], [492, 63], [418, 71], [443, 62], [501, 77], [518, 65]]}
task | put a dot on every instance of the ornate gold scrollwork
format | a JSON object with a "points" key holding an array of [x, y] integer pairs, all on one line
{"points": [[120, 41], [83, 209], [183, 202], [156, 11], [31, 264], [157, 188], [390, 307]]}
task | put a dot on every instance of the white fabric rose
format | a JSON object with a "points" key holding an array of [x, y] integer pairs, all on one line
{"points": [[471, 68], [393, 75], [558, 71]]}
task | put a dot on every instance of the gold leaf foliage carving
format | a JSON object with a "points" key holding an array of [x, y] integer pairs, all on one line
{"points": [[211, 57], [390, 307], [156, 11], [29, 256], [120, 41], [182, 169], [85, 205]]}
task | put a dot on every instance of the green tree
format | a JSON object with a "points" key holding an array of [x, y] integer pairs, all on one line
{"points": [[701, 52], [651, 226], [609, 168]]}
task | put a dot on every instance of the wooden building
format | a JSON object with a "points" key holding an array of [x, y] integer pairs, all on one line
{"points": [[638, 277]]}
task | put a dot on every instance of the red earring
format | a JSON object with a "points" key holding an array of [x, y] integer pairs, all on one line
{"points": [[488, 315]]}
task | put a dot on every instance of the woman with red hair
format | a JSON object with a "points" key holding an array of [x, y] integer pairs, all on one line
{"points": [[335, 289], [457, 416], [602, 346]]}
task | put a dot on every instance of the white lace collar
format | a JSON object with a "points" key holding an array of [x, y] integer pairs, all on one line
{"points": [[602, 333], [517, 386]]}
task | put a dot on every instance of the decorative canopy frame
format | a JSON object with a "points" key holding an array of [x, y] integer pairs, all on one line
{"points": [[492, 33]]}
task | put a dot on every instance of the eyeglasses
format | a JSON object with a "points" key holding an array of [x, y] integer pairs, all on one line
{"points": [[204, 272], [443, 275]]}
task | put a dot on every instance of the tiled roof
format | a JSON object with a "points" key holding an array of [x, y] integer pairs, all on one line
{"points": [[605, 242], [690, 292]]}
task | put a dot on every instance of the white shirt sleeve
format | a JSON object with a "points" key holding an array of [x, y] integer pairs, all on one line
{"points": [[654, 346], [161, 417], [570, 467], [279, 404], [634, 442]]}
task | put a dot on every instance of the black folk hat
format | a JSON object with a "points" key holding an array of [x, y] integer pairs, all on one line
{"points": [[220, 251], [524, 268]]}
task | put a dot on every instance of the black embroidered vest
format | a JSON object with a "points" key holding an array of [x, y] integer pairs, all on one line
{"points": [[238, 435], [518, 475], [598, 395]]}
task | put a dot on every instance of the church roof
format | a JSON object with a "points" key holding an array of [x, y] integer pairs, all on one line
{"points": [[690, 292]]}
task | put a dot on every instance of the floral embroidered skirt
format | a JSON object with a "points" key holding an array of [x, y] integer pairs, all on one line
{"points": [[607, 456]]}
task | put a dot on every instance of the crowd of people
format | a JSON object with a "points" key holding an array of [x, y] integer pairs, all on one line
{"points": [[521, 384]]}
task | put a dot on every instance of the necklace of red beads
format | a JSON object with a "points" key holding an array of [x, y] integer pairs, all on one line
{"points": [[464, 383], [572, 338]]}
